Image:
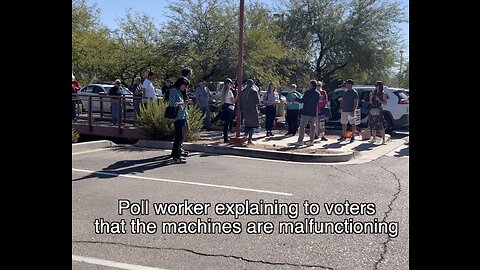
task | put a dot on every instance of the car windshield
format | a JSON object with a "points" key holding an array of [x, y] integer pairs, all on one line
{"points": [[125, 91]]}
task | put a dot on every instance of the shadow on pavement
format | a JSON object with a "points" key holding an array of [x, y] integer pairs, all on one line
{"points": [[404, 152], [130, 167], [336, 144], [365, 147]]}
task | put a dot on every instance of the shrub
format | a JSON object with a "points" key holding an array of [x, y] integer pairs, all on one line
{"points": [[153, 124], [75, 135]]}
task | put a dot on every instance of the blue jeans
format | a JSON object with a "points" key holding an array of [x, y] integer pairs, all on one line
{"points": [[114, 110], [180, 133], [270, 112], [227, 117]]}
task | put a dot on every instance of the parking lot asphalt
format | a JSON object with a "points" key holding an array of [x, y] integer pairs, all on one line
{"points": [[100, 177]]}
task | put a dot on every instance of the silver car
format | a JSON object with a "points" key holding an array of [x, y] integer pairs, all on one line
{"points": [[99, 90]]}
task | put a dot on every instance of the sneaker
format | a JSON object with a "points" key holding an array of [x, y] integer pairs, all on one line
{"points": [[352, 139], [179, 160], [184, 154], [271, 134], [309, 143], [298, 144], [316, 137], [323, 139], [373, 140], [226, 140], [341, 139], [249, 143]]}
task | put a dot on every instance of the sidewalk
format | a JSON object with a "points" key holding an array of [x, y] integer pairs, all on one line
{"points": [[280, 147]]}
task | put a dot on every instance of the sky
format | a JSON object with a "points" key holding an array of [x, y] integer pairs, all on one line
{"points": [[113, 9]]}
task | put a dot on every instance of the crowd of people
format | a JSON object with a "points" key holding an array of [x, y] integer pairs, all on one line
{"points": [[311, 107]]}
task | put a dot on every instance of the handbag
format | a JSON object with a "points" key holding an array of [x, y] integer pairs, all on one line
{"points": [[171, 112], [375, 111], [326, 110]]}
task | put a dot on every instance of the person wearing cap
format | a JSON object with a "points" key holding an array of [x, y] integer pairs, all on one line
{"points": [[249, 103], [114, 91], [202, 95], [348, 105], [228, 105], [309, 113], [136, 89], [75, 88], [180, 121]]}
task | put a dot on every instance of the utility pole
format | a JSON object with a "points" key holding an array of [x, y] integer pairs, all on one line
{"points": [[240, 68], [400, 72]]}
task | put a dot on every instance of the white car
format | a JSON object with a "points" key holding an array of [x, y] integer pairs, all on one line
{"points": [[97, 91], [395, 112]]}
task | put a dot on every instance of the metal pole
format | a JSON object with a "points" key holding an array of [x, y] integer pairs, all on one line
{"points": [[240, 65], [401, 63]]}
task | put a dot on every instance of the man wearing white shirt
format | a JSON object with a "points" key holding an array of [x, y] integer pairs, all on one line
{"points": [[149, 88]]}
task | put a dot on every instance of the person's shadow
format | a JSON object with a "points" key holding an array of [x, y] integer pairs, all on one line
{"points": [[404, 152], [133, 166]]}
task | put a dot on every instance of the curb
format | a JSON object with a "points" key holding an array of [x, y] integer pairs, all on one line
{"points": [[85, 146], [255, 153]]}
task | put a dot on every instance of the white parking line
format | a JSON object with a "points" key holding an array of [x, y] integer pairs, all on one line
{"points": [[113, 264], [90, 151], [183, 182]]}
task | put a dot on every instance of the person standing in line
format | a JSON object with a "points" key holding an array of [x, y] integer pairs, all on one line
{"points": [[149, 89], [166, 89], [270, 99], [309, 112], [293, 110], [348, 105], [322, 118], [187, 73], [137, 91], [75, 89], [376, 120], [228, 100], [114, 91], [202, 94], [249, 103], [180, 121]]}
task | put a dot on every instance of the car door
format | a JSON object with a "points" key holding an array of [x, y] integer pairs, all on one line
{"points": [[84, 93], [98, 91]]}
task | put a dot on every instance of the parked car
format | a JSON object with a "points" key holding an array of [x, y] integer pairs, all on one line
{"points": [[99, 90], [395, 112]]}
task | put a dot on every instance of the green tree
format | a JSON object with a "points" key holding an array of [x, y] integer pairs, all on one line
{"points": [[92, 47], [203, 35], [357, 34]]}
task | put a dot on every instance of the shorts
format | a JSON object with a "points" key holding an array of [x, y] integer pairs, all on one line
{"points": [[344, 118]]}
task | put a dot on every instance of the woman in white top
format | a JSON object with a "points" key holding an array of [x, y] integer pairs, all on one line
{"points": [[228, 101]]}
